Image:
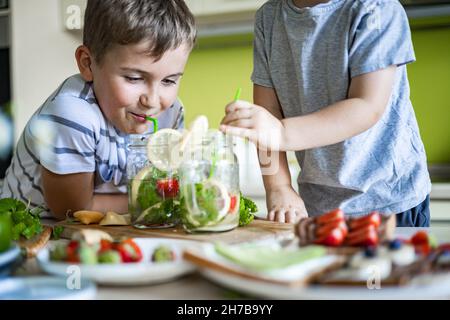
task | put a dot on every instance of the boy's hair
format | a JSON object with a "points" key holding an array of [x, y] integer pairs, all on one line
{"points": [[166, 24]]}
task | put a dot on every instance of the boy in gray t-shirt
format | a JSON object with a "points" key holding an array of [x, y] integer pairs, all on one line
{"points": [[330, 83]]}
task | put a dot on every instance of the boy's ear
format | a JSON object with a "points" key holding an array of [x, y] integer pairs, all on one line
{"points": [[84, 60]]}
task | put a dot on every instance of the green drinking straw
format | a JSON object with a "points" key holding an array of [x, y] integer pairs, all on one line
{"points": [[237, 96], [155, 123]]}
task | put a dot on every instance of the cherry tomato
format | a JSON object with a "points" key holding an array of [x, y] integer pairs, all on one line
{"points": [[233, 202], [72, 252], [105, 245], [167, 188], [129, 251]]}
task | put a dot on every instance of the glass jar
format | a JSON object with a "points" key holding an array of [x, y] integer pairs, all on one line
{"points": [[153, 194], [209, 178]]}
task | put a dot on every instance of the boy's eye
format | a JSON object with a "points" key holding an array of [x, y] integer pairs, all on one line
{"points": [[133, 79], [169, 82]]}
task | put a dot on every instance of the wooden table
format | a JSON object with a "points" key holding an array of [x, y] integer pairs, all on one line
{"points": [[193, 286]]}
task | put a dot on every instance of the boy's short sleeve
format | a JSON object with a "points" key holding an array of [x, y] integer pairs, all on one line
{"points": [[65, 139], [261, 75], [381, 38]]}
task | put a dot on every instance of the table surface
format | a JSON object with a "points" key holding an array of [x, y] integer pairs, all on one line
{"points": [[193, 286]]}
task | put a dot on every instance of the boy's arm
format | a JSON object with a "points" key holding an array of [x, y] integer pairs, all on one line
{"points": [[283, 203], [73, 192], [367, 100]]}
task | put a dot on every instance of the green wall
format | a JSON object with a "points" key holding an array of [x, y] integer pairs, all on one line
{"points": [[220, 65]]}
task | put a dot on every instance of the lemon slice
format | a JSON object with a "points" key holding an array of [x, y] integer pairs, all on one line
{"points": [[163, 149], [136, 183], [196, 212], [197, 130]]}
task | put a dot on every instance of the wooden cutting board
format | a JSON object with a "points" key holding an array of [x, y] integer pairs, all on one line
{"points": [[257, 230]]}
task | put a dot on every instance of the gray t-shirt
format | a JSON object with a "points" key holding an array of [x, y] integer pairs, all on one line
{"points": [[309, 56]]}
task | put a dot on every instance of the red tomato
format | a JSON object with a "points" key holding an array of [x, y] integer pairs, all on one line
{"points": [[335, 215], [233, 202], [105, 245], [420, 237], [72, 252], [129, 251], [333, 239], [373, 218], [167, 188]]}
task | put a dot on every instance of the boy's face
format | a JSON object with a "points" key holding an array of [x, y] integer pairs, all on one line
{"points": [[129, 84]]}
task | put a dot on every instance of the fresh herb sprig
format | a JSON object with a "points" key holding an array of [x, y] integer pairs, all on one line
{"points": [[247, 210], [26, 221]]}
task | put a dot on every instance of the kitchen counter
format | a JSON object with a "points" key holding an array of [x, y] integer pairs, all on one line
{"points": [[192, 287]]}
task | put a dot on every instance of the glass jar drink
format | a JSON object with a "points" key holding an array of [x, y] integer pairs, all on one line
{"points": [[153, 190], [209, 177]]}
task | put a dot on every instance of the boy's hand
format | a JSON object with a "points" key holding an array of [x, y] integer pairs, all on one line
{"points": [[247, 120], [285, 205]]}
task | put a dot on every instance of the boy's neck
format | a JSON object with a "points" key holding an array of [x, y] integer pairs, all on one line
{"points": [[308, 3]]}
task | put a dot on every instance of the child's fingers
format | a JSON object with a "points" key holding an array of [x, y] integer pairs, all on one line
{"points": [[291, 216], [280, 216], [242, 123], [236, 115], [239, 132], [238, 105], [271, 215]]}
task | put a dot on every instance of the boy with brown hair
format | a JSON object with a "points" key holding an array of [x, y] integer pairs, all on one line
{"points": [[72, 153]]}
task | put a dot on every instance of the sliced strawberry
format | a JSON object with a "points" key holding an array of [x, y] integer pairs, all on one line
{"points": [[373, 218], [423, 249], [168, 188], [129, 251], [334, 239], [367, 236], [233, 202], [420, 237], [444, 247], [332, 216], [327, 228]]}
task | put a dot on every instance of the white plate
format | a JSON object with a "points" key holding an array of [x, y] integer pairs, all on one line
{"points": [[8, 259], [45, 288], [145, 272], [426, 287], [9, 256], [436, 287]]}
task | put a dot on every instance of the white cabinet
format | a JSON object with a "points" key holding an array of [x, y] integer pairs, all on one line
{"points": [[213, 16], [217, 7]]}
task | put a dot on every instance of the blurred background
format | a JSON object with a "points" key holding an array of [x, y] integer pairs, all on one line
{"points": [[38, 40]]}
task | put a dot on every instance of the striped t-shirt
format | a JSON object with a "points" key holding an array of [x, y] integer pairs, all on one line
{"points": [[69, 134]]}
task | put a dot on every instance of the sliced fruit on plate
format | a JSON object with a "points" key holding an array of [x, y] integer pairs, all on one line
{"points": [[163, 149]]}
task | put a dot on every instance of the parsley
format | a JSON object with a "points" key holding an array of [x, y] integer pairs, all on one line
{"points": [[26, 221], [57, 231], [247, 209]]}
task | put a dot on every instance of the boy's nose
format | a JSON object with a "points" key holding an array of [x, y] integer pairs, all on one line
{"points": [[149, 100]]}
